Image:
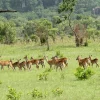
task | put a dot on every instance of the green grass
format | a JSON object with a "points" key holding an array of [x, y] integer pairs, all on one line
{"points": [[26, 81]]}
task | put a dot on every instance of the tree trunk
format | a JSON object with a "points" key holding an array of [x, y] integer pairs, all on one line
{"points": [[48, 47]]}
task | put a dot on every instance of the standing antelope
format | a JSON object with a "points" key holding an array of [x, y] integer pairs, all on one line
{"points": [[28, 62], [94, 61], [41, 61], [82, 62], [62, 59], [22, 65], [59, 63], [50, 62], [16, 64], [35, 61], [6, 63], [56, 62]]}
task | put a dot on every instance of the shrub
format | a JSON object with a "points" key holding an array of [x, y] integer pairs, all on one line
{"points": [[13, 94], [82, 73], [57, 91], [44, 75], [37, 94]]}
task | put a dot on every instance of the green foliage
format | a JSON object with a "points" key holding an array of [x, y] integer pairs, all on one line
{"points": [[7, 32], [37, 94], [13, 94], [34, 38], [67, 5], [57, 91], [82, 73], [44, 75]]}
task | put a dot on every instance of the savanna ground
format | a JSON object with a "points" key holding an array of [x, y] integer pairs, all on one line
{"points": [[26, 81]]}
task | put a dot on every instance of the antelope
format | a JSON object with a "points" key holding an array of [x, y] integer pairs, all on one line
{"points": [[62, 59], [15, 64], [94, 61], [41, 62], [56, 62], [22, 65], [50, 62], [6, 63], [28, 62], [59, 63], [82, 62], [35, 61]]}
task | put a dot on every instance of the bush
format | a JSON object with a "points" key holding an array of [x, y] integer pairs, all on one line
{"points": [[82, 73], [36, 94], [13, 94], [44, 75], [57, 91]]}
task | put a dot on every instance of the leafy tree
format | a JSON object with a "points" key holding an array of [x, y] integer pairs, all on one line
{"points": [[7, 33], [43, 30], [67, 6]]}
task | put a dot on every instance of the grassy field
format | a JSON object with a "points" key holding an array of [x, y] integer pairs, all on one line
{"points": [[26, 81]]}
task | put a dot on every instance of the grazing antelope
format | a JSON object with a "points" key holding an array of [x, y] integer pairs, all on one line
{"points": [[82, 62], [6, 63], [41, 62], [35, 61], [62, 59], [94, 61]]}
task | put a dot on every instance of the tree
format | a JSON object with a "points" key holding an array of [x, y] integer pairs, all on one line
{"points": [[67, 6], [7, 33], [43, 30]]}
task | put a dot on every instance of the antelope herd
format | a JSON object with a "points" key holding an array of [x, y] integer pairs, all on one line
{"points": [[54, 62]]}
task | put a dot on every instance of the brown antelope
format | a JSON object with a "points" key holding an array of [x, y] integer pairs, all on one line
{"points": [[28, 62], [82, 62], [59, 63], [94, 61], [64, 59], [50, 62], [22, 65], [41, 61], [6, 63], [16, 64], [35, 61], [56, 62]]}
